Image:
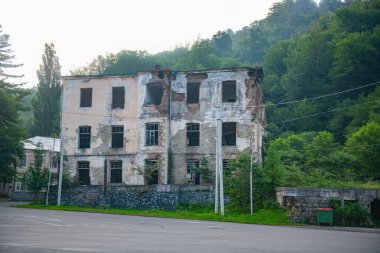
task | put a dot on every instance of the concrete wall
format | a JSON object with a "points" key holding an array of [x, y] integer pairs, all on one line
{"points": [[304, 202]]}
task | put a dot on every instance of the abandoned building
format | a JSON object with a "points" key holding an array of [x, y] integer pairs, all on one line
{"points": [[160, 120], [50, 148]]}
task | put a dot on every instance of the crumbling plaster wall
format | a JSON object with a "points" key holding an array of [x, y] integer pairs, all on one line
{"points": [[100, 117], [154, 114], [205, 113]]}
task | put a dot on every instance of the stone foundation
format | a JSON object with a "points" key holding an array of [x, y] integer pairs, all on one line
{"points": [[304, 202], [136, 197]]}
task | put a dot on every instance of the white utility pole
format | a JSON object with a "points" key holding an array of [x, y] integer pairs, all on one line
{"points": [[61, 158], [216, 176], [220, 161], [251, 177], [50, 167]]}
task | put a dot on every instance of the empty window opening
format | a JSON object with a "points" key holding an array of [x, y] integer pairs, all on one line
{"points": [[193, 93], [86, 97], [151, 134], [192, 172], [84, 136], [151, 175], [192, 134], [84, 173], [116, 171], [154, 93], [229, 91], [21, 162], [118, 97], [117, 136], [229, 134]]}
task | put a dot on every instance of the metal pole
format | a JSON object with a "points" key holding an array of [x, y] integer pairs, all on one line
{"points": [[61, 157], [220, 162], [216, 174], [251, 178], [50, 166]]}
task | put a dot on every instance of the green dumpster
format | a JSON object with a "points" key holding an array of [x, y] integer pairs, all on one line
{"points": [[325, 216]]}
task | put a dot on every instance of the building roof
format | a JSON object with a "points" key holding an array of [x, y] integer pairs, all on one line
{"points": [[47, 143]]}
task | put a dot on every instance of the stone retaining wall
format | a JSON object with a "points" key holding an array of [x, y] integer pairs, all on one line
{"points": [[304, 202], [136, 197]]}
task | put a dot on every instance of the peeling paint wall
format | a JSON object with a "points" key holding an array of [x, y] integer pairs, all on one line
{"points": [[100, 117], [249, 117], [171, 113]]}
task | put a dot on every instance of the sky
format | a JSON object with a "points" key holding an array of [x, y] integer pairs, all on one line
{"points": [[83, 29]]}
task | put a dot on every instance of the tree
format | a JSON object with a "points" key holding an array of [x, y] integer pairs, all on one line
{"points": [[364, 146], [36, 176], [46, 108], [11, 132]]}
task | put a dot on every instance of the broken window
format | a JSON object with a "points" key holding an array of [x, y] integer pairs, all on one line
{"points": [[117, 136], [84, 136], [85, 97], [151, 175], [192, 134], [84, 173], [154, 93], [192, 172], [116, 171], [151, 134], [229, 91], [193, 93], [229, 134], [118, 97]]}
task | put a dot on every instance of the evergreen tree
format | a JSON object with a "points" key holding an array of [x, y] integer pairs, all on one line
{"points": [[11, 133], [46, 107]]}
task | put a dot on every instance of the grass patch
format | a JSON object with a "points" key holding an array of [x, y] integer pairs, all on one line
{"points": [[3, 199], [263, 216]]}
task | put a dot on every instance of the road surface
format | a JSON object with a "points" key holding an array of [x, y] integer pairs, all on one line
{"points": [[32, 231]]}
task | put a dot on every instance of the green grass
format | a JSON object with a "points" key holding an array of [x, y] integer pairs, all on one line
{"points": [[263, 216], [3, 199]]}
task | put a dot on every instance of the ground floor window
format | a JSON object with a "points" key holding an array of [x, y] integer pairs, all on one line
{"points": [[151, 173], [84, 173], [192, 172], [116, 171]]}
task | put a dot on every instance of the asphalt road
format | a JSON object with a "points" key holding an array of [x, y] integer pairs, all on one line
{"points": [[32, 231]]}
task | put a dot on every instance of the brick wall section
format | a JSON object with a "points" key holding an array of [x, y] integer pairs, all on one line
{"points": [[136, 197], [304, 202]]}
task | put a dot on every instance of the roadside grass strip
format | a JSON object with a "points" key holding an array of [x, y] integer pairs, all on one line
{"points": [[262, 216]]}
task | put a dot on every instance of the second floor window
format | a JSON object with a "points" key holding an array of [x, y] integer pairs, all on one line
{"points": [[118, 97], [229, 134], [86, 97], [151, 134], [84, 136], [192, 134], [117, 136]]}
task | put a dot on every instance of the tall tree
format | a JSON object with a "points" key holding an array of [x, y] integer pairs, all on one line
{"points": [[46, 102], [11, 132]]}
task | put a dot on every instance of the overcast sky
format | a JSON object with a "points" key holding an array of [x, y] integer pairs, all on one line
{"points": [[83, 29]]}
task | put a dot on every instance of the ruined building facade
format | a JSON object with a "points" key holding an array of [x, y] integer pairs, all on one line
{"points": [[115, 126]]}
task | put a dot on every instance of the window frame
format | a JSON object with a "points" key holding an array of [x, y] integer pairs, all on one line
{"points": [[117, 137], [225, 97], [192, 165], [83, 166], [194, 86], [82, 135], [116, 171], [191, 131], [225, 135], [152, 133]]}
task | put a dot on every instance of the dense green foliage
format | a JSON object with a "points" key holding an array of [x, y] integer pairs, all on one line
{"points": [[45, 104], [11, 133]]}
